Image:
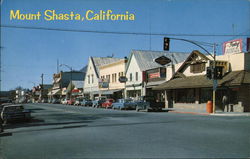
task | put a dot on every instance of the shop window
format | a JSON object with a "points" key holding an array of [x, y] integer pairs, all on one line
{"points": [[205, 95], [108, 78], [185, 96], [197, 67]]}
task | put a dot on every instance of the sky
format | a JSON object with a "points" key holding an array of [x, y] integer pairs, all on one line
{"points": [[26, 53]]}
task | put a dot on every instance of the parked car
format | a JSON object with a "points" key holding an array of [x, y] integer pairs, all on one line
{"points": [[15, 113], [86, 102], [70, 101], [98, 101], [55, 101], [77, 101], [148, 103], [108, 103], [124, 104], [64, 101]]}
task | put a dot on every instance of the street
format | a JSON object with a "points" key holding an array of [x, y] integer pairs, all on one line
{"points": [[62, 131]]}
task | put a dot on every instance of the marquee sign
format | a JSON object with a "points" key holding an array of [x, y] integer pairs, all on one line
{"points": [[233, 46]]}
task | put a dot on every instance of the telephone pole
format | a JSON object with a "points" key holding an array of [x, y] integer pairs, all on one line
{"points": [[42, 87]]}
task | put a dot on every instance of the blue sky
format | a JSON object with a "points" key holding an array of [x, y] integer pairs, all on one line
{"points": [[27, 53]]}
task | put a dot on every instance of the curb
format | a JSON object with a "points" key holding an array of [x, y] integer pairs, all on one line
{"points": [[193, 113], [241, 114]]}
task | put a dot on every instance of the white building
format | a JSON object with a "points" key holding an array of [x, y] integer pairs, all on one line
{"points": [[139, 62], [91, 84]]}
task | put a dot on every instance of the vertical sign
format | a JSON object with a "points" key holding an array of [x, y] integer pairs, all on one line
{"points": [[248, 44]]}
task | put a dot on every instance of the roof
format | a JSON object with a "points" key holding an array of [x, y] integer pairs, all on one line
{"points": [[145, 58], [234, 78], [99, 61], [47, 86], [78, 84], [191, 56]]}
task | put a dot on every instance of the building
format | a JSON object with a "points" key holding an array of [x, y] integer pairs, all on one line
{"points": [[75, 89], [61, 80], [92, 77], [143, 72], [189, 88], [109, 83]]}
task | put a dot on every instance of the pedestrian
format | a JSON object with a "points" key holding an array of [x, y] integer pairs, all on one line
{"points": [[225, 102]]}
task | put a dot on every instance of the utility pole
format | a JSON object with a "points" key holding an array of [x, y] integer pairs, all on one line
{"points": [[42, 87], [214, 79]]}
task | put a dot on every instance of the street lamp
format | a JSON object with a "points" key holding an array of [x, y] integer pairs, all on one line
{"points": [[70, 77]]}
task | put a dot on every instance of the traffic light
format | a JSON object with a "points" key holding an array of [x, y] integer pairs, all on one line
{"points": [[209, 73], [218, 72], [166, 43]]}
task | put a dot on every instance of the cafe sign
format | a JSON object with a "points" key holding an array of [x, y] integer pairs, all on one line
{"points": [[233, 46]]}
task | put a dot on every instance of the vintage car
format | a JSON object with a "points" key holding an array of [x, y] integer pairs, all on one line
{"points": [[11, 113], [64, 101], [70, 101], [86, 102], [98, 101], [148, 103], [108, 103], [124, 104], [55, 101]]}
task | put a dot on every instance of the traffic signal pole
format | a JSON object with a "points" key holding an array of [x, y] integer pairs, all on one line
{"points": [[214, 80], [166, 45]]}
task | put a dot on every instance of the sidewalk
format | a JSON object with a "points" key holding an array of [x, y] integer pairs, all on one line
{"points": [[203, 112]]}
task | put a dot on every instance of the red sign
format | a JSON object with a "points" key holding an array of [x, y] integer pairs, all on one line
{"points": [[154, 75]]}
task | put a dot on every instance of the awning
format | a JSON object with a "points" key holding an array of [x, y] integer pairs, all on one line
{"points": [[234, 78], [106, 92], [153, 84], [56, 92]]}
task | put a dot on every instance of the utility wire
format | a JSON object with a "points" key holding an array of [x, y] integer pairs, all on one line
{"points": [[123, 33]]}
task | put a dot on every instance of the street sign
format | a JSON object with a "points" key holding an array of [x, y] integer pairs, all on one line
{"points": [[162, 60], [123, 79]]}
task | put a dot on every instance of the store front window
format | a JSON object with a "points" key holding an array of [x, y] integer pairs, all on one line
{"points": [[185, 96]]}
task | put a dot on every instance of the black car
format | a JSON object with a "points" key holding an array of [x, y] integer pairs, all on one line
{"points": [[149, 103], [15, 112]]}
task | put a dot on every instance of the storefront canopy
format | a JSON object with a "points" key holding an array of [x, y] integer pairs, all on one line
{"points": [[234, 78], [106, 92], [56, 92]]}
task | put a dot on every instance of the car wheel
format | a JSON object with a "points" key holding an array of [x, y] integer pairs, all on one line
{"points": [[137, 109], [5, 122]]}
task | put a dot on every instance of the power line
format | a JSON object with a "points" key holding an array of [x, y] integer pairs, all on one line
{"points": [[122, 33]]}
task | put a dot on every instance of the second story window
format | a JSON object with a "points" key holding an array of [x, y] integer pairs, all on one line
{"points": [[92, 78], [130, 77], [88, 79], [197, 67], [136, 76]]}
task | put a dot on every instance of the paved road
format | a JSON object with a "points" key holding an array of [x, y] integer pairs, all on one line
{"points": [[71, 132]]}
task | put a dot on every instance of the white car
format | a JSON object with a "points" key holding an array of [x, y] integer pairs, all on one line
{"points": [[64, 101]]}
